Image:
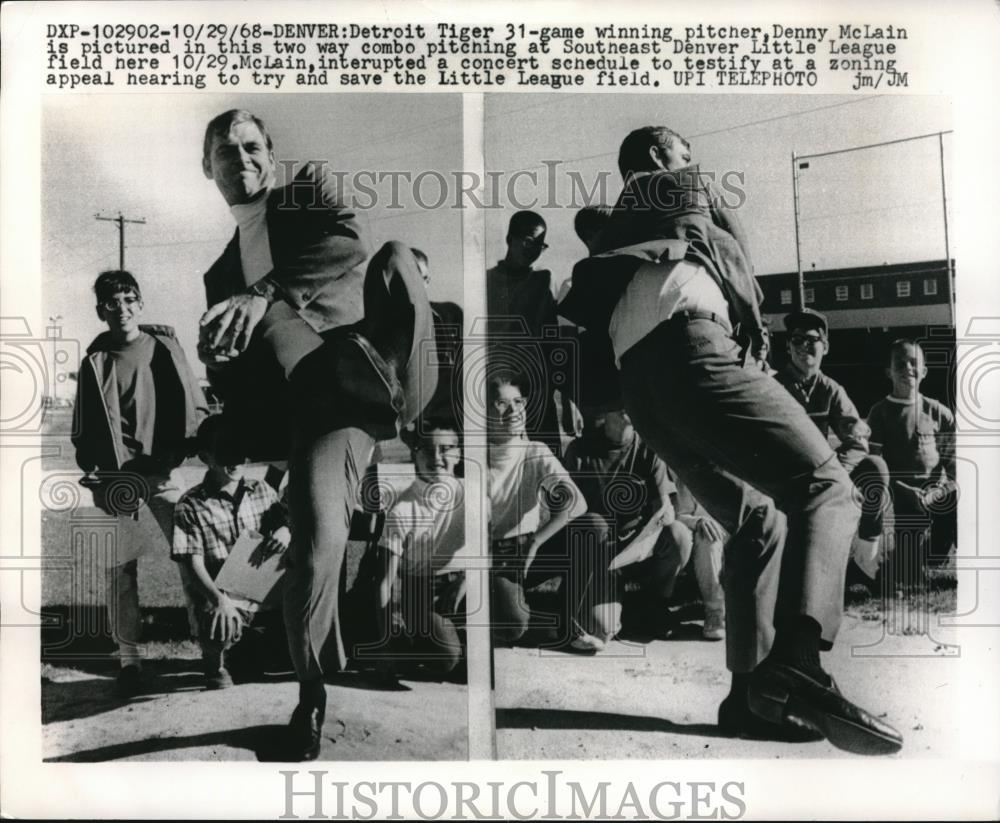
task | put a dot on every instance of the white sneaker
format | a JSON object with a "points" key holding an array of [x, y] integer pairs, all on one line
{"points": [[587, 644], [714, 627]]}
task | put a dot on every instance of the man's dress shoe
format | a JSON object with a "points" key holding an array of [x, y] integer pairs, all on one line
{"points": [[781, 692]]}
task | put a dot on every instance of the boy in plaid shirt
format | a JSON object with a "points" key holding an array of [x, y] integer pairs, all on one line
{"points": [[208, 521]]}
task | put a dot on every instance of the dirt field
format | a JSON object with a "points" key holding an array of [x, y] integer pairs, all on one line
{"points": [[660, 700], [655, 700]]}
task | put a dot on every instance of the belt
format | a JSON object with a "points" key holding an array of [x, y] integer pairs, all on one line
{"points": [[684, 317]]}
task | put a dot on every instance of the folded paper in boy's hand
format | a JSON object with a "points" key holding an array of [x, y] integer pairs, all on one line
{"points": [[251, 571], [638, 550]]}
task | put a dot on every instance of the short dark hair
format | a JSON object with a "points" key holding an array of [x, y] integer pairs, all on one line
{"points": [[590, 220], [420, 255], [219, 127], [900, 345], [115, 281], [522, 222], [217, 438], [633, 156], [505, 377], [413, 436]]}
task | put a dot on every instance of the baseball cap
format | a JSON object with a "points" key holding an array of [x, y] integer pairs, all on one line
{"points": [[806, 320]]}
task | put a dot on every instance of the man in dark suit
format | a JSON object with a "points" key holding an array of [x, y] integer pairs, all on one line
{"points": [[316, 359], [738, 441]]}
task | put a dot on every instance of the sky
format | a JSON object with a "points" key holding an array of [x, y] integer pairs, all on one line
{"points": [[863, 208], [141, 155]]}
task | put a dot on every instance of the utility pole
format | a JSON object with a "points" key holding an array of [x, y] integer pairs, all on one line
{"points": [[947, 247], [121, 221], [800, 291]]}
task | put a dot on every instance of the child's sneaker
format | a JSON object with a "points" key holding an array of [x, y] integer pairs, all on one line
{"points": [[714, 627], [587, 644]]}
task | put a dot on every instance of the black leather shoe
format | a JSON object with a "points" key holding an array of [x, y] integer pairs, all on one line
{"points": [[736, 720], [305, 729], [780, 692]]}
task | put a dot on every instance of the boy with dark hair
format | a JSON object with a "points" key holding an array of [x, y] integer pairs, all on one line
{"points": [[417, 591], [208, 520], [137, 403], [524, 326], [916, 435]]}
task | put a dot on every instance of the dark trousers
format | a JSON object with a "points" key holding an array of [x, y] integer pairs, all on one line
{"points": [[741, 443], [579, 555]]}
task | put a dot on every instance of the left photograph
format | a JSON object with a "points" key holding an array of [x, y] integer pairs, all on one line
{"points": [[253, 514]]}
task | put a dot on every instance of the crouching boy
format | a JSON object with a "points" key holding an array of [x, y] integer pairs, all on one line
{"points": [[208, 521]]}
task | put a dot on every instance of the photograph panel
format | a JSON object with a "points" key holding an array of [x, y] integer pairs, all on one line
{"points": [[722, 371], [258, 479]]}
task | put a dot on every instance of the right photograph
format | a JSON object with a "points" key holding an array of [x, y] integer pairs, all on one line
{"points": [[719, 412]]}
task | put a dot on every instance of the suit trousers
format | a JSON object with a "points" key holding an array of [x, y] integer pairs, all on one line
{"points": [[324, 477], [742, 444]]}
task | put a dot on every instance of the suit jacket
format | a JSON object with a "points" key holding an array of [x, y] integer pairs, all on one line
{"points": [[359, 329], [667, 216], [180, 405], [318, 249]]}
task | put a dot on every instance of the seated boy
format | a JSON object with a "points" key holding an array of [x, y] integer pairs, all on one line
{"points": [[916, 435], [418, 593], [627, 484], [208, 520], [830, 408]]}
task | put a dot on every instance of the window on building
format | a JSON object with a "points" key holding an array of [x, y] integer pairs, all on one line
{"points": [[903, 288], [841, 294], [867, 291], [810, 296], [930, 286], [786, 297]]}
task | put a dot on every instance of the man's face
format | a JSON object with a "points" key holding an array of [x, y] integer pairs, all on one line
{"points": [[121, 312], [240, 163], [437, 455], [676, 156], [806, 348], [526, 248], [906, 370]]}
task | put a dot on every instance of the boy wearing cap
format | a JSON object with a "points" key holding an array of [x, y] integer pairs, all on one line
{"points": [[829, 407]]}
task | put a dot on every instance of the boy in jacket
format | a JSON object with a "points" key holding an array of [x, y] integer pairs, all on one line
{"points": [[137, 404]]}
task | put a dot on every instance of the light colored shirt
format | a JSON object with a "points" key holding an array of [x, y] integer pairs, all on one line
{"points": [[656, 293], [521, 484], [426, 526], [255, 244], [916, 437]]}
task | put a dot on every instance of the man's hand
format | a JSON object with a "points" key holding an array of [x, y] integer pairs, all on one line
{"points": [[225, 329], [227, 620]]}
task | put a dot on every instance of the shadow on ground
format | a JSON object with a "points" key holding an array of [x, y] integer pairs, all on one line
{"points": [[264, 741], [520, 718]]}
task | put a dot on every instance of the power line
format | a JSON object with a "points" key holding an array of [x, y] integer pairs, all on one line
{"points": [[724, 130], [121, 220]]}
